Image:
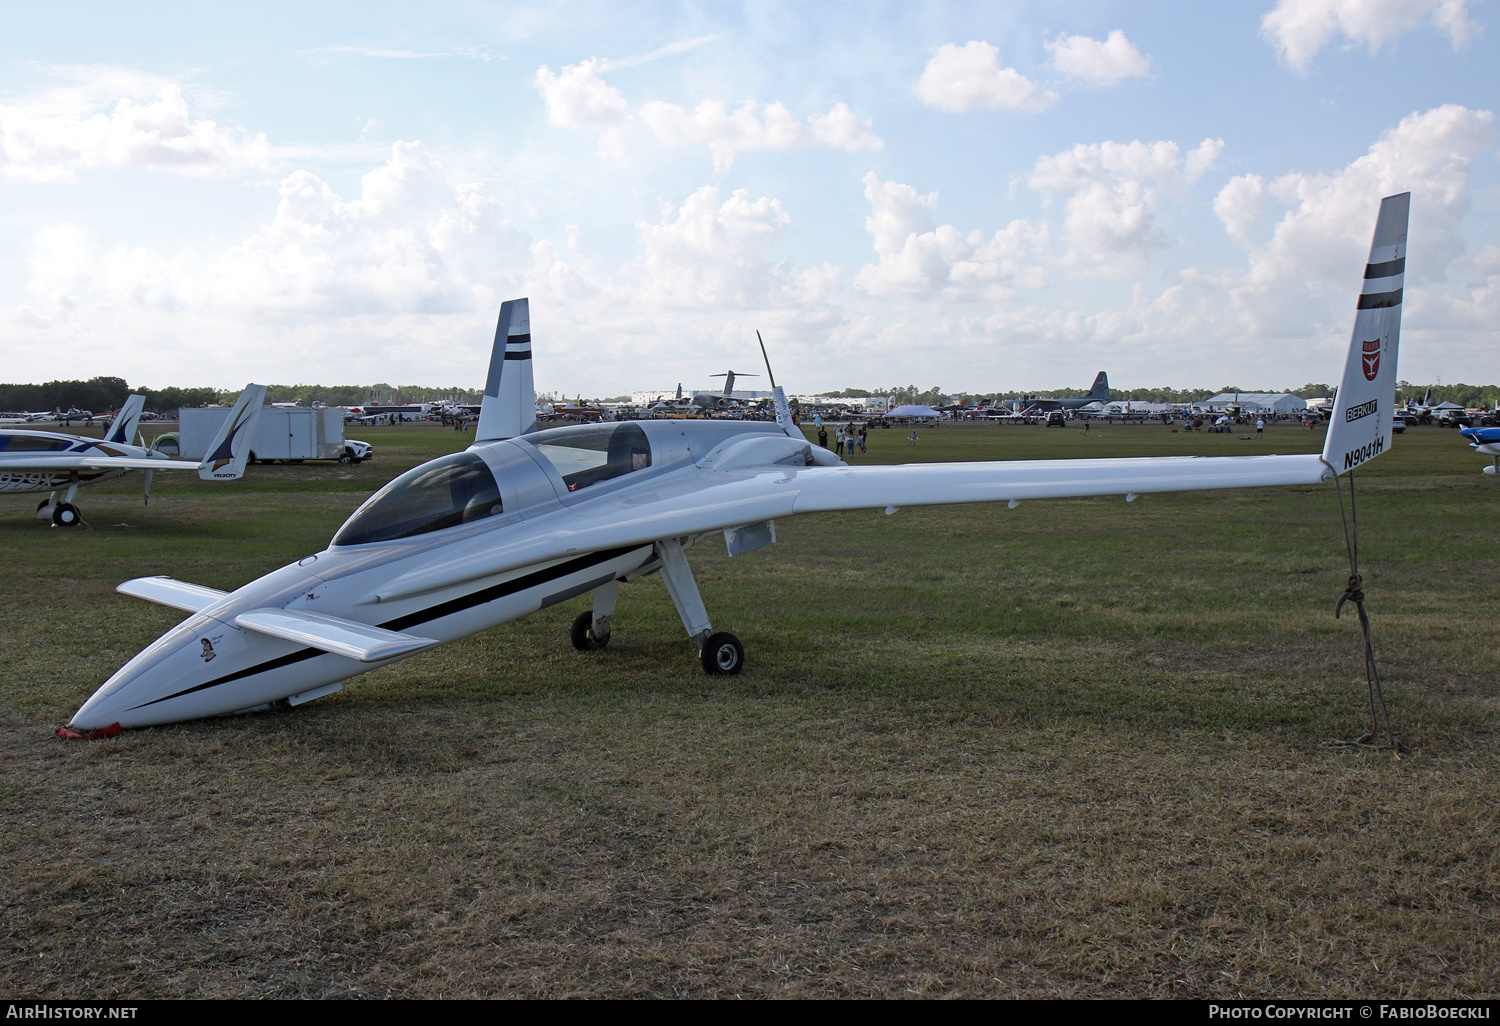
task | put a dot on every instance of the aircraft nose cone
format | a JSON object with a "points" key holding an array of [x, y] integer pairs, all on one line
{"points": [[188, 673]]}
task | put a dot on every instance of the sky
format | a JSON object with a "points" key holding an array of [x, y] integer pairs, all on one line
{"points": [[979, 197]]}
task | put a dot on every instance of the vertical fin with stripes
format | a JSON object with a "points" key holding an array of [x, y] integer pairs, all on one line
{"points": [[509, 404], [1360, 428]]}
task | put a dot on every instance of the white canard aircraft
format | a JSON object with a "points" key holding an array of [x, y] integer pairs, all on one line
{"points": [[521, 521], [47, 461]]}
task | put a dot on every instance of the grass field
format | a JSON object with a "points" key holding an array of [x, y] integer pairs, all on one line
{"points": [[1078, 748]]}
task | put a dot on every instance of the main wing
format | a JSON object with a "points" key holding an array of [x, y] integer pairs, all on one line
{"points": [[761, 477]]}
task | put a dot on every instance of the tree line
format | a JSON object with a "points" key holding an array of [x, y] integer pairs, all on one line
{"points": [[105, 394]]}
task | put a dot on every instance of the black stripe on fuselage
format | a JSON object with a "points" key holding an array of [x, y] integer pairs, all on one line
{"points": [[499, 591], [1386, 269], [442, 609], [1379, 300], [270, 664]]}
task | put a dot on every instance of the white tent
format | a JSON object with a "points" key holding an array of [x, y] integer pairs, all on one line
{"points": [[1256, 402], [913, 411]]}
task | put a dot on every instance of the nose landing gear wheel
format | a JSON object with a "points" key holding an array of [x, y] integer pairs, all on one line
{"points": [[722, 655], [65, 514], [583, 633]]}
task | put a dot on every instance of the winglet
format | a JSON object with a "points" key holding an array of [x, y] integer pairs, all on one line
{"points": [[230, 448], [122, 429], [509, 404], [1100, 390], [1360, 428]]}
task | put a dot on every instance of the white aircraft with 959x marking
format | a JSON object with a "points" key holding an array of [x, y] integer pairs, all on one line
{"points": [[524, 519]]}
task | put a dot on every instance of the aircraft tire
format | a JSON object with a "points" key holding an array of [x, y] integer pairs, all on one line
{"points": [[722, 655], [65, 514], [582, 633]]}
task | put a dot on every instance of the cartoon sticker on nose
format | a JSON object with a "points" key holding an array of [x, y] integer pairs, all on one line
{"points": [[208, 652]]}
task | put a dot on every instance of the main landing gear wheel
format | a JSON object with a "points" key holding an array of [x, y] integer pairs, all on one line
{"points": [[583, 633], [65, 514], [722, 655]]}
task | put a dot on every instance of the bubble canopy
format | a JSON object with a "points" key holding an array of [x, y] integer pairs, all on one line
{"points": [[590, 453], [461, 487], [444, 492]]}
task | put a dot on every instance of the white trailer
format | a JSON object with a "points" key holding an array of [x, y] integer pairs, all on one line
{"points": [[281, 433]]}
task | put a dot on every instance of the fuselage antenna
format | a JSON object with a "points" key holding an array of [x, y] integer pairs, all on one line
{"points": [[766, 358]]}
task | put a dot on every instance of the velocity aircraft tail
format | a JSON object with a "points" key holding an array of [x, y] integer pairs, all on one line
{"points": [[122, 428], [1360, 428], [230, 449], [509, 404]]}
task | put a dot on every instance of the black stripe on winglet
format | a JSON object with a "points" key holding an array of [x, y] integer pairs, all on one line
{"points": [[524, 354], [1385, 270], [521, 339], [1379, 300]]}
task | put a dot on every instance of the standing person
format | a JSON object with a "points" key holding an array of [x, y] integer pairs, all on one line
{"points": [[838, 442], [822, 434], [1260, 425], [863, 432], [911, 439]]}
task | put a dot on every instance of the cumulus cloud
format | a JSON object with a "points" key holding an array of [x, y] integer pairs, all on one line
{"points": [[753, 127], [1113, 192], [712, 255], [1298, 279], [1300, 28], [1327, 226], [1241, 206], [1105, 63], [920, 259], [111, 119], [577, 97], [411, 242], [960, 78]]}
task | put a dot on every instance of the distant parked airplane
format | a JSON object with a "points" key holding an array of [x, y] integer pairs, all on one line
{"points": [[1098, 393], [47, 461]]}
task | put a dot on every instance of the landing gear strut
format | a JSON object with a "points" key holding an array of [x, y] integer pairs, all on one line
{"points": [[64, 513], [720, 654], [591, 629]]}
